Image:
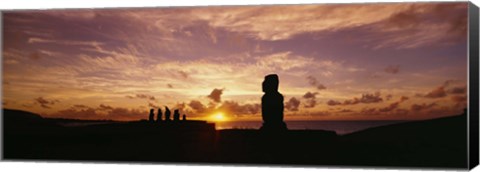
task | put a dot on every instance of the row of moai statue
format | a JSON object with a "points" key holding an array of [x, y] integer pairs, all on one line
{"points": [[176, 115]]}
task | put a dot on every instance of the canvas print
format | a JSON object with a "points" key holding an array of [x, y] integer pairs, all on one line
{"points": [[381, 84]]}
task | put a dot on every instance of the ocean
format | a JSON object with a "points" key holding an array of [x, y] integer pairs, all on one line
{"points": [[340, 127]]}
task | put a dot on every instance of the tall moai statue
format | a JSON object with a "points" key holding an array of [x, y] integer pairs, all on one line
{"points": [[167, 114], [159, 115], [272, 105], [184, 117], [176, 115], [151, 115]]}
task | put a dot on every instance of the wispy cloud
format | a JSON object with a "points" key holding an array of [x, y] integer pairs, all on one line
{"points": [[292, 104], [45, 103], [365, 98], [216, 95]]}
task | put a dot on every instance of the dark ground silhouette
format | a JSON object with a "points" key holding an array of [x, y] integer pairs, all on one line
{"points": [[431, 143]]}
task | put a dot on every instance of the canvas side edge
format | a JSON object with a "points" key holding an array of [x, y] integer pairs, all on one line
{"points": [[473, 96]]}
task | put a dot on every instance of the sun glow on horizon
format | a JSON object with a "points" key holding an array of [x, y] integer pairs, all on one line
{"points": [[218, 117]]}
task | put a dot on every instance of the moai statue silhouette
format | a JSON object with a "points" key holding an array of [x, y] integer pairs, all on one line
{"points": [[176, 115], [167, 114], [272, 105], [159, 115], [151, 115]]}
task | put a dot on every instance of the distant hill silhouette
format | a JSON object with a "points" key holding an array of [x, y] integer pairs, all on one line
{"points": [[426, 143], [407, 129], [19, 118]]}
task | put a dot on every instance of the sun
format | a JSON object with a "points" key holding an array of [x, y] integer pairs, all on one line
{"points": [[218, 117]]}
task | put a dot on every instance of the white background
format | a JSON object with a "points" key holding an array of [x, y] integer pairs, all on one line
{"points": [[83, 167]]}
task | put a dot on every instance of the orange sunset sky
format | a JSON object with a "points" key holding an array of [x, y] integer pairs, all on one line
{"points": [[335, 62]]}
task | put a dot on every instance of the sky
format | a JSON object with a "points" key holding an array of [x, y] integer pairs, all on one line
{"points": [[392, 61]]}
